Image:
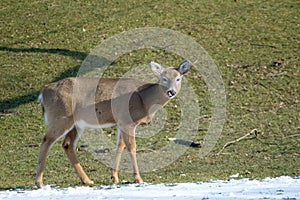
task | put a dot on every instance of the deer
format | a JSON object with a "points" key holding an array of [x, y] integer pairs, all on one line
{"points": [[73, 104]]}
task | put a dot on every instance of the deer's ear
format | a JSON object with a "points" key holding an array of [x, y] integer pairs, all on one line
{"points": [[156, 68], [184, 67]]}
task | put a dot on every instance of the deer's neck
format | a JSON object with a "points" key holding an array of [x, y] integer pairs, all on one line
{"points": [[153, 97]]}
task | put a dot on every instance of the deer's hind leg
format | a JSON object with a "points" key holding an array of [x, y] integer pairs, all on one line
{"points": [[69, 146], [54, 133]]}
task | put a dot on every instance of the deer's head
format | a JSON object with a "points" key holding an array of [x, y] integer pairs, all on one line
{"points": [[170, 78]]}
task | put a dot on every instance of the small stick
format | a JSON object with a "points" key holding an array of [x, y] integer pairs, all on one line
{"points": [[295, 135], [263, 45], [6, 114], [254, 132]]}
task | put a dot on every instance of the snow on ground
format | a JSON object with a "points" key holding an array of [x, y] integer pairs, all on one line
{"points": [[282, 188]]}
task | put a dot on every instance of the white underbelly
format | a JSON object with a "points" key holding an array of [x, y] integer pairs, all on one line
{"points": [[83, 125]]}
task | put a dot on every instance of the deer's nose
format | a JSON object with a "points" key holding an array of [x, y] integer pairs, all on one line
{"points": [[171, 93]]}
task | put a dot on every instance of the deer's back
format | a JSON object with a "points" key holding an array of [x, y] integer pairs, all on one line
{"points": [[69, 93]]}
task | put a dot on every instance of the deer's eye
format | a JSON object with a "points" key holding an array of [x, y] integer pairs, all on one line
{"points": [[178, 79], [165, 79]]}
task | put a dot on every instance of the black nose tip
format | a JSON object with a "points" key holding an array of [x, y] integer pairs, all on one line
{"points": [[171, 93]]}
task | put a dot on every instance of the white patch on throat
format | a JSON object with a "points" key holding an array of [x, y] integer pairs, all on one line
{"points": [[46, 118]]}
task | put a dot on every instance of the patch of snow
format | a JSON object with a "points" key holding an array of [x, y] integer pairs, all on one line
{"points": [[234, 175], [280, 188]]}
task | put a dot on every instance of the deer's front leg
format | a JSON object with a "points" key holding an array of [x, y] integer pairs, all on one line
{"points": [[120, 148], [129, 139]]}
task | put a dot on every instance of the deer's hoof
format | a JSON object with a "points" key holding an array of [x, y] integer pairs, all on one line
{"points": [[139, 180], [115, 179], [39, 184], [88, 182]]}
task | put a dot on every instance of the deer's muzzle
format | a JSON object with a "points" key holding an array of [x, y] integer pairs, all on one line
{"points": [[171, 93]]}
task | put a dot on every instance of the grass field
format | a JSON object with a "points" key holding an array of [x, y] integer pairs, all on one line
{"points": [[255, 44]]}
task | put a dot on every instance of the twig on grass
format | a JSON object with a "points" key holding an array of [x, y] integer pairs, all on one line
{"points": [[7, 113], [252, 134], [295, 135], [263, 45]]}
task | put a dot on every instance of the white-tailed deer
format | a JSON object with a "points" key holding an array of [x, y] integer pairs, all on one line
{"points": [[73, 104]]}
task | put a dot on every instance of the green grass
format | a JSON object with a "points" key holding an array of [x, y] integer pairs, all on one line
{"points": [[255, 44]]}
